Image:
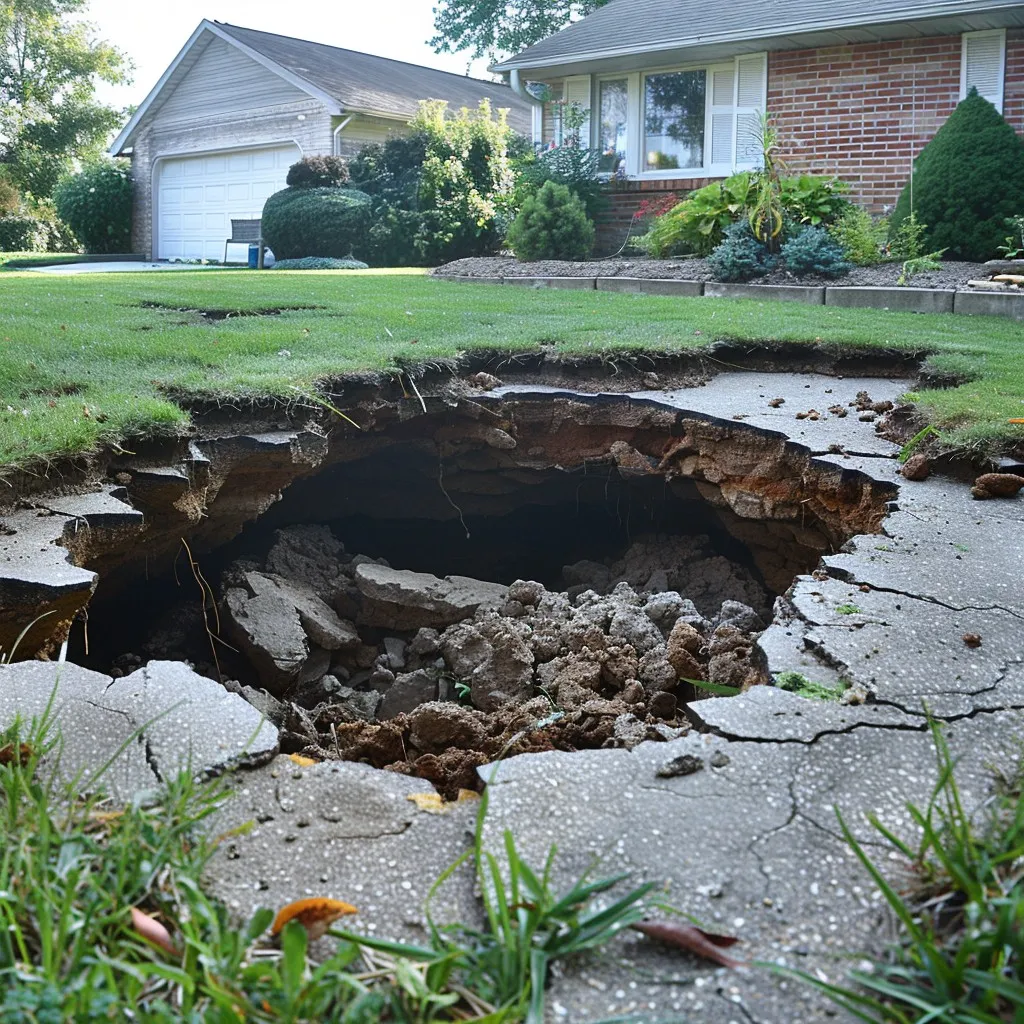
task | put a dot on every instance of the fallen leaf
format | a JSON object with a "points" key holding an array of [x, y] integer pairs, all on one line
{"points": [[1008, 421], [19, 755], [692, 939], [972, 639], [302, 762], [429, 802], [153, 931], [316, 915]]}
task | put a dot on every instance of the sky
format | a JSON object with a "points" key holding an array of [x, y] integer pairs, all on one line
{"points": [[152, 33]]}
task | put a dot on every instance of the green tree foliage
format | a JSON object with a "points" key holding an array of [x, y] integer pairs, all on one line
{"points": [[494, 28], [442, 192], [49, 67], [966, 182], [814, 251], [552, 225], [96, 204], [318, 172], [299, 222]]}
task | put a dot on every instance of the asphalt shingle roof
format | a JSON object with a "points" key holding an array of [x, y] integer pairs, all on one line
{"points": [[364, 82], [625, 25]]}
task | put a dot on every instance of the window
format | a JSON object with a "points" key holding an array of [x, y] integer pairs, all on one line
{"points": [[982, 65], [673, 119], [612, 127]]}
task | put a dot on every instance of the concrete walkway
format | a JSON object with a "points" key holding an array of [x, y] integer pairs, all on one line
{"points": [[748, 842], [120, 267]]}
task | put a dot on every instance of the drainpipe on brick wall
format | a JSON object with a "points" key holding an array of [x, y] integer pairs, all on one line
{"points": [[335, 146]]}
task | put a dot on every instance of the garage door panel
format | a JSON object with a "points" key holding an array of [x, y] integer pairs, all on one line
{"points": [[200, 195]]}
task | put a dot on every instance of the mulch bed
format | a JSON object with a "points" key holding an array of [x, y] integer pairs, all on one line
{"points": [[951, 275]]}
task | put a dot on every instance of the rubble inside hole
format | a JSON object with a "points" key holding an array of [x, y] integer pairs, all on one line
{"points": [[354, 659]]}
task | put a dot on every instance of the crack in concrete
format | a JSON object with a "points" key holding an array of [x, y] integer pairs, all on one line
{"points": [[891, 726], [151, 758], [846, 576], [765, 836]]}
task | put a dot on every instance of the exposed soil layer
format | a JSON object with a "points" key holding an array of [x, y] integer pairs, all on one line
{"points": [[951, 274]]}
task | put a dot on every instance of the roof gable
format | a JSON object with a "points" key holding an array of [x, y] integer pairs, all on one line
{"points": [[645, 26]]}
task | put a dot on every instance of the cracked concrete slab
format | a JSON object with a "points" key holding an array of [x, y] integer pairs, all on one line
{"points": [[160, 720], [768, 714], [346, 831]]}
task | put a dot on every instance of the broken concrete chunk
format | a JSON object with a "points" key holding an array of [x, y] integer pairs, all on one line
{"points": [[494, 658], [408, 692], [404, 600]]}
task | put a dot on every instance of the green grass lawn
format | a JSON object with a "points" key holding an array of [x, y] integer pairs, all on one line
{"points": [[99, 358]]}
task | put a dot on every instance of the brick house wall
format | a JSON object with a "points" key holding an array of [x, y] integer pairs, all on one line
{"points": [[861, 112], [279, 124]]}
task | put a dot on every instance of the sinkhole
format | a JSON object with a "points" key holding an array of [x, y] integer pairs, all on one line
{"points": [[484, 579]]}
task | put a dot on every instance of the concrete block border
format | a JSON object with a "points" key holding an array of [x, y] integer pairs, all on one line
{"points": [[905, 300]]}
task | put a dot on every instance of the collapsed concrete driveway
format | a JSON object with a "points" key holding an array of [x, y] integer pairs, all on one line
{"points": [[746, 837]]}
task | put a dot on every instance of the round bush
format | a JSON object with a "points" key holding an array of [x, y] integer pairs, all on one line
{"points": [[740, 256], [815, 251], [967, 181], [552, 225], [318, 172], [320, 263], [96, 204], [22, 234], [301, 222]]}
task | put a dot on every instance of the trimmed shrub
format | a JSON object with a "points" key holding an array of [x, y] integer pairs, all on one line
{"points": [[299, 222], [814, 251], [320, 263], [552, 225], [96, 204], [740, 256], [318, 172], [22, 234], [966, 182]]}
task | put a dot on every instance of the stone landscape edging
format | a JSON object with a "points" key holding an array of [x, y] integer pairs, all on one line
{"points": [[907, 300]]}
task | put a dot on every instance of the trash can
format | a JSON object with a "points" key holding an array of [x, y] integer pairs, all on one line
{"points": [[254, 256]]}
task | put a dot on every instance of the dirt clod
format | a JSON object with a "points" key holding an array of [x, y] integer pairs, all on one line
{"points": [[997, 485], [917, 467]]}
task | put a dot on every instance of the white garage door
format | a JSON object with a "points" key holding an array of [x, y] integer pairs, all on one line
{"points": [[198, 196]]}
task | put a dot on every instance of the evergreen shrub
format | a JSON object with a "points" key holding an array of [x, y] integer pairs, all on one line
{"points": [[966, 182], [552, 225]]}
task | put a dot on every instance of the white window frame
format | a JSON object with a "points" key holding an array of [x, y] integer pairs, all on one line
{"points": [[999, 33], [635, 135]]}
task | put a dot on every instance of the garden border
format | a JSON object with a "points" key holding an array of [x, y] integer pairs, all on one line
{"points": [[907, 300]]}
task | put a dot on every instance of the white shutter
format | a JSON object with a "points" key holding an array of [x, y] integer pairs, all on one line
{"points": [[723, 87], [577, 90], [982, 65], [751, 98]]}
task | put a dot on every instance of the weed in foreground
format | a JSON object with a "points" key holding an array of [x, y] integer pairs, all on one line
{"points": [[959, 960], [103, 917]]}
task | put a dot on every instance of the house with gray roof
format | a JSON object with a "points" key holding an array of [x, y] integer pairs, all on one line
{"points": [[674, 89], [236, 107]]}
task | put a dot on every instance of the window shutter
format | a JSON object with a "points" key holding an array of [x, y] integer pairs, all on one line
{"points": [[723, 91], [982, 65], [751, 98], [577, 90]]}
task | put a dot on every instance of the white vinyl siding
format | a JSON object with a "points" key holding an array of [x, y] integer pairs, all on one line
{"points": [[221, 81], [983, 65], [198, 196]]}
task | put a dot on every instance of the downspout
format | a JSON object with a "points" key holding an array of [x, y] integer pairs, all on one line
{"points": [[337, 131], [520, 90]]}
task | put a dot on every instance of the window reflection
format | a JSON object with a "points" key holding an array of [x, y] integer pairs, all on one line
{"points": [[613, 103], [674, 106]]}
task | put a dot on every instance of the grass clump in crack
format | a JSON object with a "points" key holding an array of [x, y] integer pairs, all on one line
{"points": [[796, 682], [103, 917], [960, 957]]}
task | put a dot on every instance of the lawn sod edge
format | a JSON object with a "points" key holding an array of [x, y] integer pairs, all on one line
{"points": [[74, 381]]}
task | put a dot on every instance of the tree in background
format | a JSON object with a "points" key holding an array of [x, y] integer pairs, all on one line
{"points": [[496, 28], [49, 67]]}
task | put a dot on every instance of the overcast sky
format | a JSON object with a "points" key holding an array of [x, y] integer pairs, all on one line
{"points": [[152, 33]]}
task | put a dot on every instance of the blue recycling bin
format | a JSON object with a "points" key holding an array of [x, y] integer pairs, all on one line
{"points": [[254, 256]]}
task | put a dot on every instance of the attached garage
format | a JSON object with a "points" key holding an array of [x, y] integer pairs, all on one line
{"points": [[198, 196]]}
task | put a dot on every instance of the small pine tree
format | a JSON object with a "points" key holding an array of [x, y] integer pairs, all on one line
{"points": [[552, 225], [966, 182]]}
